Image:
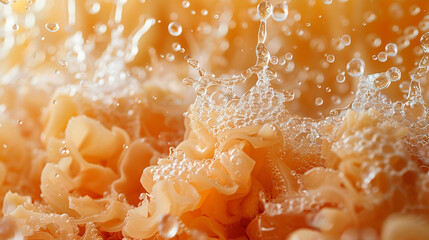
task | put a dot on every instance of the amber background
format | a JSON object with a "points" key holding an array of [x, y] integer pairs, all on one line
{"points": [[325, 22]]}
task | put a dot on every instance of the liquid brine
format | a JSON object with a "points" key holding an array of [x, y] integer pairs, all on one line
{"points": [[134, 119]]}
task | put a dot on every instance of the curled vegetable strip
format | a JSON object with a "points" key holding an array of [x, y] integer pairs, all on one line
{"points": [[168, 198]]}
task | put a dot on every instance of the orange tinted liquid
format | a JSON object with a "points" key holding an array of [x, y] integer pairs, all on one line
{"points": [[102, 142]]}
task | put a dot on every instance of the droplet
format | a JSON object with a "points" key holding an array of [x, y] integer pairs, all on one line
{"points": [[369, 16], [15, 27], [411, 32], [336, 100], [346, 40], [265, 9], [418, 51], [403, 42], [185, 4], [84, 84], [64, 151], [122, 197], [290, 66], [391, 49], [381, 82], [100, 28], [168, 227], [394, 74], [404, 86], [414, 10], [424, 40], [396, 10], [327, 2], [170, 57], [382, 56], [356, 67], [318, 101], [374, 40], [424, 25], [52, 27], [63, 63], [176, 46], [330, 58], [175, 29], [93, 7], [280, 12], [274, 60]]}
